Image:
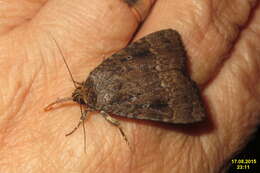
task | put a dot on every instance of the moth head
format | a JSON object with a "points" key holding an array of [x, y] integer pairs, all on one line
{"points": [[79, 94]]}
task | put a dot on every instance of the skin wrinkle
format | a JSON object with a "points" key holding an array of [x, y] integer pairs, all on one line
{"points": [[254, 32], [181, 149], [12, 102], [247, 77], [26, 92], [89, 22], [20, 19], [106, 157], [217, 161], [231, 21], [140, 9], [24, 136], [54, 62], [228, 124], [204, 154], [133, 137], [44, 64], [189, 160], [216, 25], [250, 88], [145, 165], [79, 21], [172, 160], [200, 12], [50, 163], [32, 80], [143, 153], [211, 146], [106, 160], [22, 95]]}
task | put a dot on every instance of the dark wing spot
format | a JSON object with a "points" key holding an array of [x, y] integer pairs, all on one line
{"points": [[158, 104]]}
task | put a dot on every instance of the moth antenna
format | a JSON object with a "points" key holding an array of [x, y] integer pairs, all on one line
{"points": [[50, 106], [83, 128], [82, 119], [64, 60], [83, 115], [84, 132]]}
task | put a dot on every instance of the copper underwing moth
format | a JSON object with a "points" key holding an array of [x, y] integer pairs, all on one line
{"points": [[147, 80]]}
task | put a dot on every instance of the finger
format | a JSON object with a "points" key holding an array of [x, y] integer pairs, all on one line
{"points": [[208, 28], [140, 8], [234, 97], [15, 13], [96, 26]]}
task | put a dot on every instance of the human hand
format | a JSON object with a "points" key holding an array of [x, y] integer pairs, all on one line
{"points": [[221, 38]]}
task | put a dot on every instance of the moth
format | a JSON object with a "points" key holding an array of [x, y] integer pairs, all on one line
{"points": [[147, 80]]}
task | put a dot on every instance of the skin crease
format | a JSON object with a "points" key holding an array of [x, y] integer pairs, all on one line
{"points": [[222, 41]]}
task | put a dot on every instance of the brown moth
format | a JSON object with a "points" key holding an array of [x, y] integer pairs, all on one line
{"points": [[147, 80]]}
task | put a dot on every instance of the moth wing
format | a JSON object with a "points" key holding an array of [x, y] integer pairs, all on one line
{"points": [[147, 80]]}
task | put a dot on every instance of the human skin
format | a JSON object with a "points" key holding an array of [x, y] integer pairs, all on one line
{"points": [[222, 40]]}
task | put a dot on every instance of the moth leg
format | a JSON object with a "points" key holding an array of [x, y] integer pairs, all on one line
{"points": [[82, 119], [115, 123]]}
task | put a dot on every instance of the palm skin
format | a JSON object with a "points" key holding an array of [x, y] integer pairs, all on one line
{"points": [[221, 38]]}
